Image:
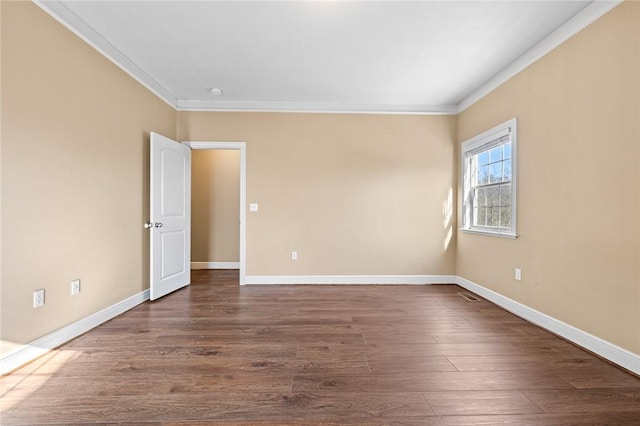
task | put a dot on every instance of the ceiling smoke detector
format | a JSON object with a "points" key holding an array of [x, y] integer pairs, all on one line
{"points": [[215, 91]]}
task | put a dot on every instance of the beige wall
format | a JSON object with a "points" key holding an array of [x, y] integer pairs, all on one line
{"points": [[352, 194], [215, 206], [75, 132], [578, 190]]}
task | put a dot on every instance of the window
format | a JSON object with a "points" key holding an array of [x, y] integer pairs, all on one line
{"points": [[489, 182]]}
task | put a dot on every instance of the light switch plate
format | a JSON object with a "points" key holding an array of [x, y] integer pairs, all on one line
{"points": [[75, 287]]}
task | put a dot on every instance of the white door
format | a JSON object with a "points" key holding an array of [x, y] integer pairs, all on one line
{"points": [[170, 223]]}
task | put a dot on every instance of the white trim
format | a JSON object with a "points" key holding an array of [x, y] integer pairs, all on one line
{"points": [[351, 279], [242, 147], [215, 265], [76, 25], [581, 20], [508, 128], [27, 353], [607, 350], [479, 231], [313, 107], [222, 145]]}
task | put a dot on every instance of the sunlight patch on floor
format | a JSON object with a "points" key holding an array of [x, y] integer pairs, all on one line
{"points": [[22, 383]]}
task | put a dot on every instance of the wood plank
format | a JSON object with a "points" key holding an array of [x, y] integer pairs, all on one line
{"points": [[618, 419], [405, 364], [221, 406], [267, 366], [430, 381], [580, 401], [476, 349], [480, 402], [519, 362]]}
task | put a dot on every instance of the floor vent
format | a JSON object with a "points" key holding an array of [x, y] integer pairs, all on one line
{"points": [[469, 297]]}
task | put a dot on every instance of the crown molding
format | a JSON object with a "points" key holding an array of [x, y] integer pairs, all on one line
{"points": [[75, 24], [574, 25], [313, 107]]}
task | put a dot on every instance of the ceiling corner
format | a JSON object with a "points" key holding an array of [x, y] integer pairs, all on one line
{"points": [[76, 25], [584, 18]]}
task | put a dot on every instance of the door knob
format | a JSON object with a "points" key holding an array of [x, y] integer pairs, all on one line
{"points": [[148, 225]]}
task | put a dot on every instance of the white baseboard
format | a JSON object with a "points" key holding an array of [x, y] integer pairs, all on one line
{"points": [[26, 353], [607, 350], [215, 265], [351, 279]]}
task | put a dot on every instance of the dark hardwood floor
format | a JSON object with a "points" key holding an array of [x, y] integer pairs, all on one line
{"points": [[217, 353]]}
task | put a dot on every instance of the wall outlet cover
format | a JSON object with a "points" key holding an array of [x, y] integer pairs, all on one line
{"points": [[38, 298]]}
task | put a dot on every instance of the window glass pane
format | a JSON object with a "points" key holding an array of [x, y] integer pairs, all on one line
{"points": [[493, 214], [495, 154], [507, 170], [481, 197], [495, 172], [483, 158], [493, 196], [506, 151], [505, 195], [481, 216], [483, 175], [505, 217]]}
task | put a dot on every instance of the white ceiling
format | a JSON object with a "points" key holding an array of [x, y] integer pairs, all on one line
{"points": [[366, 56]]}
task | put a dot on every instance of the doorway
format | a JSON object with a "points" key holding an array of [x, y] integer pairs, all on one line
{"points": [[241, 147]]}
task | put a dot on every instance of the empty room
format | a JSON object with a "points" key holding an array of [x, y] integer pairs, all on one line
{"points": [[320, 212]]}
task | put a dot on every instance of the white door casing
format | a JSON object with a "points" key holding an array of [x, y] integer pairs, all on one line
{"points": [[170, 222], [242, 147]]}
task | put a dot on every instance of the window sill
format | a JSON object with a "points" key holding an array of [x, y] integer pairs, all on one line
{"points": [[491, 233]]}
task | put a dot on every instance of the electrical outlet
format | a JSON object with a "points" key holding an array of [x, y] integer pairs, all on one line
{"points": [[38, 298], [518, 274], [294, 255], [75, 287]]}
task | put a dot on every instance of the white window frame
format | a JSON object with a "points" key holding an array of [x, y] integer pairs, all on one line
{"points": [[475, 145]]}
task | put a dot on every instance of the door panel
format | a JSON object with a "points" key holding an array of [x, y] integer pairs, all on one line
{"points": [[172, 246], [170, 222]]}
